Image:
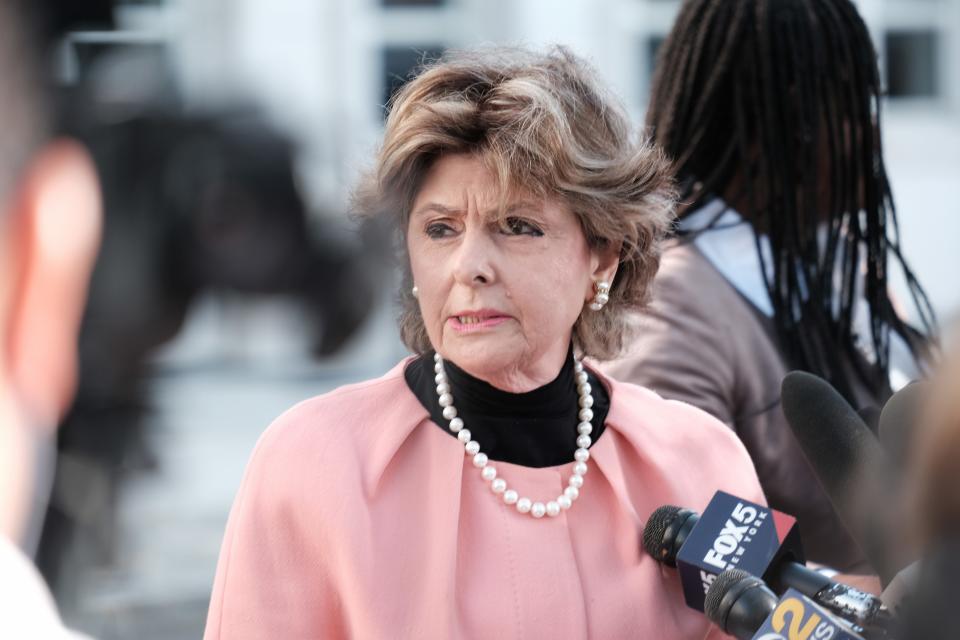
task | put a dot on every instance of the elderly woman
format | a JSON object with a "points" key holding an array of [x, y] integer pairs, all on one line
{"points": [[493, 485]]}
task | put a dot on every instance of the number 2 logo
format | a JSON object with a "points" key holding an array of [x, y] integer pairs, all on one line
{"points": [[790, 613]]}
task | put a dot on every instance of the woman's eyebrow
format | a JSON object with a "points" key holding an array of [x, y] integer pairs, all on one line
{"points": [[523, 205], [436, 207]]}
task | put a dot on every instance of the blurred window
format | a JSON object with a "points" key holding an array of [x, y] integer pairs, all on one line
{"points": [[400, 63], [125, 69], [413, 3], [912, 63], [653, 45]]}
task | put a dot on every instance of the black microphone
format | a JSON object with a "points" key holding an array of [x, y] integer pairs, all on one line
{"points": [[847, 460], [739, 603], [870, 416], [666, 530], [768, 548], [744, 607]]}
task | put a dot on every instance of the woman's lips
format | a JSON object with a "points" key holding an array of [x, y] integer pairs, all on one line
{"points": [[471, 322]]}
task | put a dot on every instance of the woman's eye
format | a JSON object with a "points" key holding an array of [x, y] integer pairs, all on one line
{"points": [[519, 226], [438, 230]]}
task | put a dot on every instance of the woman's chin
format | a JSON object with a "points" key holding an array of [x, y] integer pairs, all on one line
{"points": [[484, 358]]}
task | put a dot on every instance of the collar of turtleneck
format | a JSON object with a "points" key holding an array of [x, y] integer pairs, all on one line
{"points": [[537, 428]]}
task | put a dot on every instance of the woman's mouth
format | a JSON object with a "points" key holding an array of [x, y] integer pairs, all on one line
{"points": [[476, 321]]}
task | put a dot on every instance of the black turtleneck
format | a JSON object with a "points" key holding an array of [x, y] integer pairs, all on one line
{"points": [[534, 429]]}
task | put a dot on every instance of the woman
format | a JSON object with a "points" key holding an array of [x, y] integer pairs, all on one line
{"points": [[770, 109], [531, 222]]}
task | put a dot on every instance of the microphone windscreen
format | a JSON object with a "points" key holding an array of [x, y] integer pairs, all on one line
{"points": [[836, 442], [739, 602], [846, 458], [870, 416], [656, 528], [718, 591], [897, 421]]}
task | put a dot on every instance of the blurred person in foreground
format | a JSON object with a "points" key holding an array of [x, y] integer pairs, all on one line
{"points": [[530, 219], [931, 594], [770, 110], [49, 233]]}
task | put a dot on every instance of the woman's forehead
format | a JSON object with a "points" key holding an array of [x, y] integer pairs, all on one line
{"points": [[458, 183], [457, 176]]}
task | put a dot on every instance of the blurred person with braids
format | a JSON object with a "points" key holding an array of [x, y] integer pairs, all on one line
{"points": [[770, 110], [49, 234]]}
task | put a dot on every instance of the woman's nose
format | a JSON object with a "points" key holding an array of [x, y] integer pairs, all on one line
{"points": [[473, 262]]}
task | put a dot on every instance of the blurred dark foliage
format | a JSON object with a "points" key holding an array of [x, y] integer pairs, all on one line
{"points": [[193, 202], [56, 17]]}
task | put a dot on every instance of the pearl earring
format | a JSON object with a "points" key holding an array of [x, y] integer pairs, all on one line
{"points": [[415, 291], [602, 296]]}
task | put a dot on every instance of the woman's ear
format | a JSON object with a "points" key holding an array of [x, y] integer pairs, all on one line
{"points": [[605, 261], [55, 220]]}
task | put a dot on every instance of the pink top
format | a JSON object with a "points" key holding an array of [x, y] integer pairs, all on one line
{"points": [[359, 518]]}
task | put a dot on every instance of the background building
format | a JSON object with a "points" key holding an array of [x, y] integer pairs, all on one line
{"points": [[324, 70]]}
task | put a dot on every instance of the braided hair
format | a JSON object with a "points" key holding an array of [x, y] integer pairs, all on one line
{"points": [[774, 105]]}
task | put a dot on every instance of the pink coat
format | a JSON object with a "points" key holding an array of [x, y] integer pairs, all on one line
{"points": [[359, 518]]}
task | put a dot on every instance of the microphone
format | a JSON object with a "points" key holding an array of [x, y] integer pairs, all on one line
{"points": [[847, 460], [744, 607], [739, 603], [737, 533], [666, 531], [897, 420], [870, 416]]}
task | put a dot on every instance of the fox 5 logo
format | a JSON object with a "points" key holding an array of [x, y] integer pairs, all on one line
{"points": [[738, 531]]}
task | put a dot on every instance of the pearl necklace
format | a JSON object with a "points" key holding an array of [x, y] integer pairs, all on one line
{"points": [[489, 473]]}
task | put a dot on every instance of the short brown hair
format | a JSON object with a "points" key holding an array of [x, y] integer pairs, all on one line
{"points": [[543, 124]]}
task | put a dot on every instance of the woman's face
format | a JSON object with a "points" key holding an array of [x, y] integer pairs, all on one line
{"points": [[499, 300]]}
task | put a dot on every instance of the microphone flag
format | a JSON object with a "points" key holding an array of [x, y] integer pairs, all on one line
{"points": [[735, 533]]}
